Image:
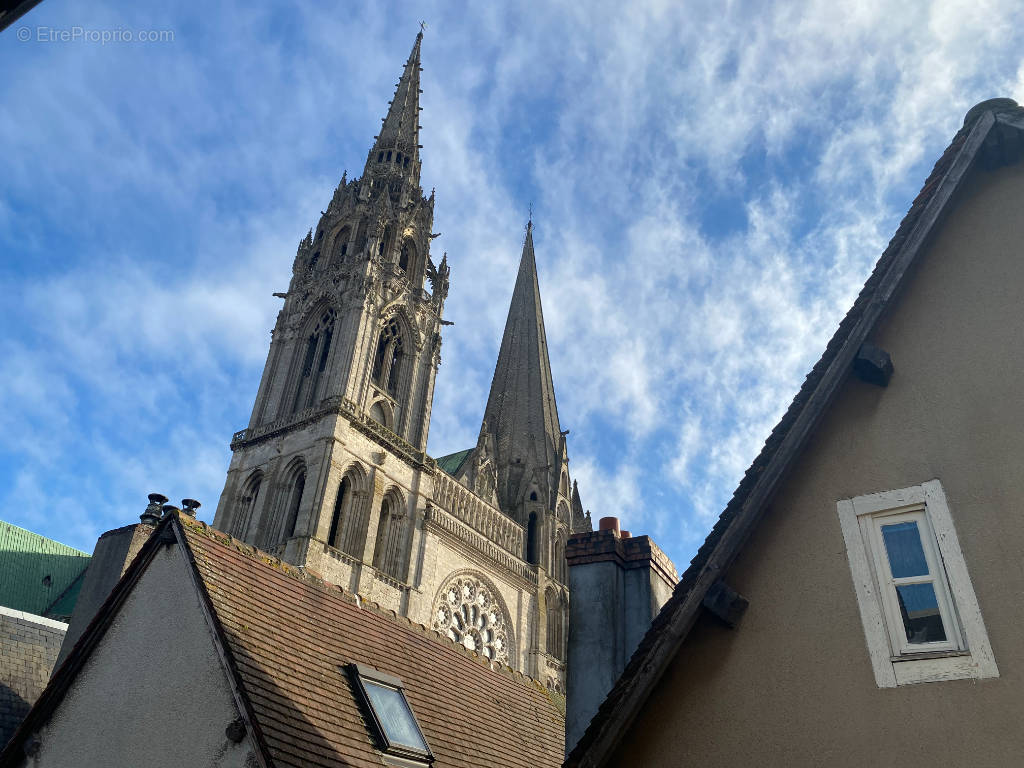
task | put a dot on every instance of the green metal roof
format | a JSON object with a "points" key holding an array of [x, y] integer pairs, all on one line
{"points": [[453, 461], [39, 575]]}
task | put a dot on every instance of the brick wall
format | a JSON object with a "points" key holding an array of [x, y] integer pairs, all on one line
{"points": [[28, 649]]}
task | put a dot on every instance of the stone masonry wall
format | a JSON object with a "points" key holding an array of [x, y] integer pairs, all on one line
{"points": [[28, 649]]}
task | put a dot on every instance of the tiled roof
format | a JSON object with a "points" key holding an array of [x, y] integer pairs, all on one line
{"points": [[291, 636], [992, 132], [38, 575], [452, 463]]}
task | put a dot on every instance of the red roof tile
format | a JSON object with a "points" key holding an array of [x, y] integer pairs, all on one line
{"points": [[291, 635]]}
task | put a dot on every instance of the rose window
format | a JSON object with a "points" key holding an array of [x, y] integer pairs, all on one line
{"points": [[468, 613]]}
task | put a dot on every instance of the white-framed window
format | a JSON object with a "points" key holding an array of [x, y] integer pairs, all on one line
{"points": [[920, 614]]}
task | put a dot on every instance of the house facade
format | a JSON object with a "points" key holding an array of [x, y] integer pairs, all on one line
{"points": [[876, 540]]}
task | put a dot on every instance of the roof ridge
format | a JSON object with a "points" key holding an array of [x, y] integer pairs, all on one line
{"points": [[360, 601]]}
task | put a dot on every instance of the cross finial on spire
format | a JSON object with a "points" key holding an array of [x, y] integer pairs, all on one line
{"points": [[423, 26]]}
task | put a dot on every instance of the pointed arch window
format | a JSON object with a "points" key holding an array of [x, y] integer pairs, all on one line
{"points": [[388, 550], [559, 566], [343, 498], [247, 501], [385, 241], [279, 525], [555, 624], [407, 256], [314, 363], [361, 236], [341, 244], [294, 502], [351, 514], [531, 539], [389, 358]]}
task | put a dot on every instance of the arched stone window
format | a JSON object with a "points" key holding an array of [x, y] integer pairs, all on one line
{"points": [[407, 256], [344, 490], [469, 610], [558, 564], [308, 388], [556, 630], [390, 545], [361, 236], [298, 485], [247, 501], [350, 517], [389, 358], [532, 533], [385, 241], [278, 524], [341, 244]]}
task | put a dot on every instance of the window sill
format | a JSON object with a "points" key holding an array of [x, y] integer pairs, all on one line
{"points": [[933, 669], [929, 655]]}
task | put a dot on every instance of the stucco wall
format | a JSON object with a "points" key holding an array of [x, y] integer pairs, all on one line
{"points": [[793, 685], [28, 650], [153, 692]]}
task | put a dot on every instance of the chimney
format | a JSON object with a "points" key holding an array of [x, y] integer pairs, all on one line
{"points": [[618, 584]]}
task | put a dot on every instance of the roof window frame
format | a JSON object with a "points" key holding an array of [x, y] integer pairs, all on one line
{"points": [[403, 754]]}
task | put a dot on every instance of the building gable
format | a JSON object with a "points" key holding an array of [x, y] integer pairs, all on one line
{"points": [[991, 137], [145, 686]]}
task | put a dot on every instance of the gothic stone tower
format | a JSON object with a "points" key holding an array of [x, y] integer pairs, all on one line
{"points": [[332, 472]]}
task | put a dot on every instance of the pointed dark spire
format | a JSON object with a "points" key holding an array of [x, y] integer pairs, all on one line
{"points": [[580, 521], [400, 131], [521, 414]]}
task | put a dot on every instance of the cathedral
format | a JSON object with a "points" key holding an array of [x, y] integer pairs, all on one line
{"points": [[332, 473]]}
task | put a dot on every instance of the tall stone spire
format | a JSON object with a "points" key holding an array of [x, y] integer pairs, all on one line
{"points": [[521, 414], [397, 144]]}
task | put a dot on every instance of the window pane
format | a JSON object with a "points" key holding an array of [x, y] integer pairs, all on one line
{"points": [[394, 714], [903, 544], [920, 610]]}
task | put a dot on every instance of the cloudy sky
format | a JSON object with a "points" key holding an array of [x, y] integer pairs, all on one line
{"points": [[711, 184]]}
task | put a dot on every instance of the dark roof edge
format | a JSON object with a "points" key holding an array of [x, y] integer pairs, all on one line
{"points": [[671, 627], [224, 653], [51, 697]]}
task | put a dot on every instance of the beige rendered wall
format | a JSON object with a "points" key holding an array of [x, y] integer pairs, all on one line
{"points": [[793, 685], [154, 692]]}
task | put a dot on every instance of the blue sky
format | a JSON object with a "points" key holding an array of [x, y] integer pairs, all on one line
{"points": [[711, 184]]}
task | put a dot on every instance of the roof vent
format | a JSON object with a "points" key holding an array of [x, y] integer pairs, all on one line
{"points": [[152, 514]]}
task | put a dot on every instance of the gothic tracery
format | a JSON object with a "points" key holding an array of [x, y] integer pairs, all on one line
{"points": [[468, 612]]}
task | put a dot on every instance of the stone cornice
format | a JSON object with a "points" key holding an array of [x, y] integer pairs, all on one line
{"points": [[634, 552]]}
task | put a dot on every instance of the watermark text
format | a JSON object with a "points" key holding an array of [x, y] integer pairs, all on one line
{"points": [[77, 34]]}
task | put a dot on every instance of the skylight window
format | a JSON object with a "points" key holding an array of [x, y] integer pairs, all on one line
{"points": [[389, 714]]}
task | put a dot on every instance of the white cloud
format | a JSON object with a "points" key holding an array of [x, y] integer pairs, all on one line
{"points": [[711, 184]]}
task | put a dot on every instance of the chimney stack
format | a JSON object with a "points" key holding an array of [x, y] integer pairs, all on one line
{"points": [[618, 584]]}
